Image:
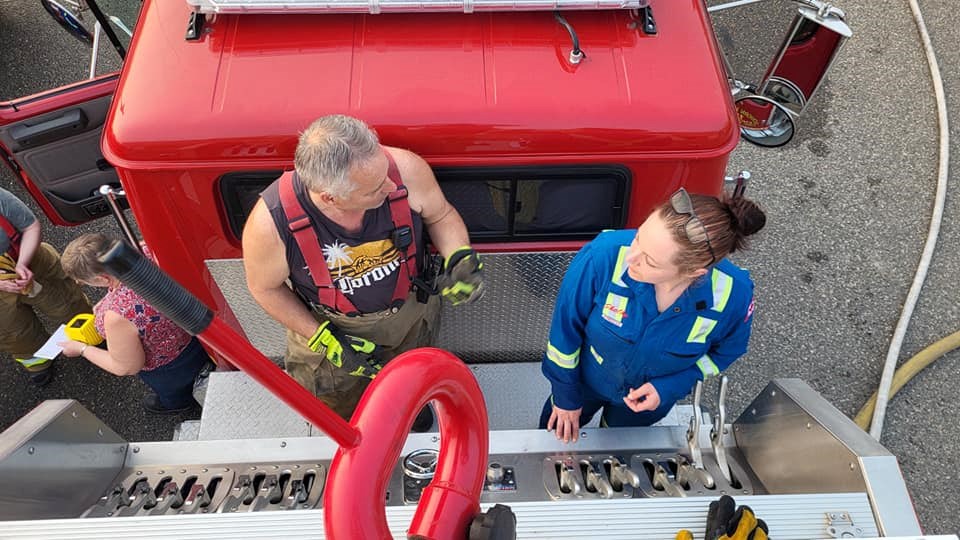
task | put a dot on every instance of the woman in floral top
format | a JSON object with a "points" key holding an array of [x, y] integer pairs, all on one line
{"points": [[140, 340]]}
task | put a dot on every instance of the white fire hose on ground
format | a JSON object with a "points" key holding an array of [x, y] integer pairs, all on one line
{"points": [[888, 384]]}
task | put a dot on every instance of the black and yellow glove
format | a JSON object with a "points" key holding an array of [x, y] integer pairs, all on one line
{"points": [[462, 279], [8, 267], [360, 357], [727, 521]]}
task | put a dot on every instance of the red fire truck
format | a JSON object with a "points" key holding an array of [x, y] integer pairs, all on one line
{"points": [[545, 123]]}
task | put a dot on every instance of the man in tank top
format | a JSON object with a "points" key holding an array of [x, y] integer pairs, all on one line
{"points": [[345, 228]]}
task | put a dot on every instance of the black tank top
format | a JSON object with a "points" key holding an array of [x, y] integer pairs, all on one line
{"points": [[363, 265]]}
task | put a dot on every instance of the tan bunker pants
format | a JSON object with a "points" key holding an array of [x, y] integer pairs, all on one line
{"points": [[60, 298], [414, 325]]}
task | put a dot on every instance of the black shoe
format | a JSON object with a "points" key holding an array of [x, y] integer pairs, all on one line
{"points": [[151, 404], [424, 421], [43, 376]]}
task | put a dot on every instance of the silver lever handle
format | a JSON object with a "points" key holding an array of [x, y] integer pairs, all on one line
{"points": [[693, 432], [570, 479], [621, 475], [597, 482], [716, 434]]}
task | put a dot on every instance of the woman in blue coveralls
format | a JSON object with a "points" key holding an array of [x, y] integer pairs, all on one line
{"points": [[642, 315]]}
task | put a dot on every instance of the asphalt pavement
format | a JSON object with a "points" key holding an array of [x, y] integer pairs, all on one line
{"points": [[848, 205]]}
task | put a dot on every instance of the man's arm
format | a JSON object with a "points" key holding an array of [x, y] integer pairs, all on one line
{"points": [[265, 263], [29, 242], [443, 222]]}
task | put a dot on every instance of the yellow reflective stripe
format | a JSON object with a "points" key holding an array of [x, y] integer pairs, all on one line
{"points": [[701, 329], [722, 285], [30, 362], [619, 269], [566, 361], [707, 367], [596, 355]]}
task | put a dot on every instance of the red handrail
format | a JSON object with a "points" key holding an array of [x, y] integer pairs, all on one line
{"points": [[358, 477], [370, 445], [223, 339]]}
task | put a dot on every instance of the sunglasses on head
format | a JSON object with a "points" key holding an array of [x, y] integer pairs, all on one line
{"points": [[695, 230]]}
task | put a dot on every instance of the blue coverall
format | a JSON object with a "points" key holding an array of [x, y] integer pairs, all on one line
{"points": [[607, 336]]}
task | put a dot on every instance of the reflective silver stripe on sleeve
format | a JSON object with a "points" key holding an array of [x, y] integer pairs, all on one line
{"points": [[620, 268], [701, 329], [707, 367], [722, 285], [566, 361]]}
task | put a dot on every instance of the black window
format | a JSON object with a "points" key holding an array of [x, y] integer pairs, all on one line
{"points": [[497, 204], [531, 203], [240, 191]]}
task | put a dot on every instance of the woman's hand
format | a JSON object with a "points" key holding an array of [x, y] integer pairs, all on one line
{"points": [[71, 348], [645, 398], [567, 424]]}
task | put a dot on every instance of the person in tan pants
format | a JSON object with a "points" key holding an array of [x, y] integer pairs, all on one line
{"points": [[31, 281]]}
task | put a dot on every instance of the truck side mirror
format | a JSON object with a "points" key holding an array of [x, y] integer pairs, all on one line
{"points": [[763, 121], [816, 35], [69, 20]]}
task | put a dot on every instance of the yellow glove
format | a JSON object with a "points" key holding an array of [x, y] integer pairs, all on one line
{"points": [[726, 521], [462, 279], [357, 355]]}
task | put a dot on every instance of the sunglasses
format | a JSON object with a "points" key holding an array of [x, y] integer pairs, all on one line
{"points": [[694, 228]]}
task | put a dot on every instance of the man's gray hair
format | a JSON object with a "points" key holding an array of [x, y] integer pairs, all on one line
{"points": [[328, 148]]}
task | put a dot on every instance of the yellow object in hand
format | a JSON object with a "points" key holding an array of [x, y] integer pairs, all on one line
{"points": [[81, 328]]}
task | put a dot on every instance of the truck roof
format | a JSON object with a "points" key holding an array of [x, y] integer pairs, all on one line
{"points": [[492, 84]]}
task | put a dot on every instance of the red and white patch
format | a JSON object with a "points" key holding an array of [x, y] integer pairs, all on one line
{"points": [[750, 308]]}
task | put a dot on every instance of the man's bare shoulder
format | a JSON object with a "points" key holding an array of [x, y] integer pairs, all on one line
{"points": [[260, 231], [414, 170]]}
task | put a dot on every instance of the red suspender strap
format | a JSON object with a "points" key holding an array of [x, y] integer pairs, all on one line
{"points": [[301, 227], [14, 235], [402, 219]]}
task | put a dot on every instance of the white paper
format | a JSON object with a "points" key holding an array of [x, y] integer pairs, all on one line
{"points": [[50, 349]]}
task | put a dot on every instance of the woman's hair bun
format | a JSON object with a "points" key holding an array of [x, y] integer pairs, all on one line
{"points": [[748, 217]]}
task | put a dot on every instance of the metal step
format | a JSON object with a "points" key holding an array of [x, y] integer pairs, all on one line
{"points": [[790, 517], [233, 396]]}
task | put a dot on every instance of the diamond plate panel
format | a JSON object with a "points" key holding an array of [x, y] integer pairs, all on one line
{"points": [[264, 333], [238, 407], [188, 430], [510, 323]]}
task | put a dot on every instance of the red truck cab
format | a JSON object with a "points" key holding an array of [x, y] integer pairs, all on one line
{"points": [[537, 152]]}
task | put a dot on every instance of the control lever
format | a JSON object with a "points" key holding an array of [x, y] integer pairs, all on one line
{"points": [[197, 498], [169, 498], [570, 479], [298, 494], [596, 481], [243, 491], [693, 432], [621, 475], [716, 434], [109, 503], [663, 478], [687, 472], [269, 492], [141, 498]]}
